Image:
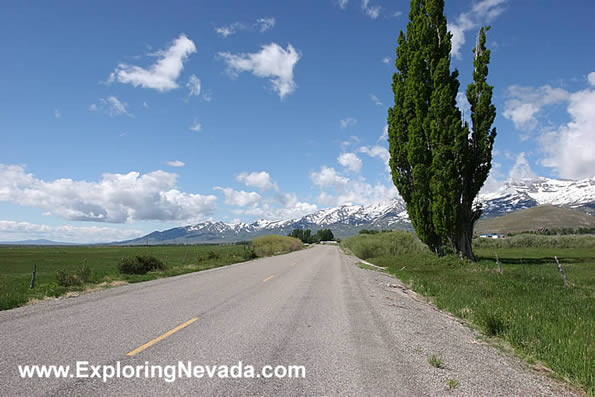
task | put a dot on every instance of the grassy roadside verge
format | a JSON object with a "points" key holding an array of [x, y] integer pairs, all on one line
{"points": [[16, 265], [527, 305]]}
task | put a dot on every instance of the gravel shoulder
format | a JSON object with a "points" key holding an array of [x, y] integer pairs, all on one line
{"points": [[419, 330]]}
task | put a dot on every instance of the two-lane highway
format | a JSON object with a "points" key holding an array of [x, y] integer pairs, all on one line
{"points": [[313, 308]]}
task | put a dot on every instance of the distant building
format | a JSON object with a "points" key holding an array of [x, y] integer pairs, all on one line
{"points": [[491, 235]]}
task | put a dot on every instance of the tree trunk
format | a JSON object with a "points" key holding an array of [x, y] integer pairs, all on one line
{"points": [[464, 236]]}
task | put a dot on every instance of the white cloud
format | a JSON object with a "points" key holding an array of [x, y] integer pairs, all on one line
{"points": [[239, 198], [272, 62], [481, 12], [175, 163], [570, 149], [521, 169], [384, 136], [113, 106], [371, 11], [17, 231], [343, 3], [525, 103], [386, 60], [261, 180], [328, 177], [57, 114], [162, 75], [93, 107], [116, 198], [226, 31], [376, 101], [350, 161], [591, 78], [196, 126], [379, 152], [265, 24], [347, 122], [262, 25], [193, 85], [291, 208]]}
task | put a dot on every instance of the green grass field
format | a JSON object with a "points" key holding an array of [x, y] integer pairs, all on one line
{"points": [[527, 305], [16, 264]]}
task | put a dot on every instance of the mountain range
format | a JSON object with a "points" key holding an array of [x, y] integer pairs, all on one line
{"points": [[347, 220]]}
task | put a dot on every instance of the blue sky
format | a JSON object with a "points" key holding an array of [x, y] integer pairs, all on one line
{"points": [[120, 118]]}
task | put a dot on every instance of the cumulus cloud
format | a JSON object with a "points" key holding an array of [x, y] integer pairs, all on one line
{"points": [[337, 189], [482, 12], [350, 161], [225, 31], [193, 85], [379, 152], [347, 122], [591, 78], [17, 231], [116, 198], [569, 149], [162, 75], [524, 104], [272, 61], [196, 126], [261, 180], [371, 11], [386, 60], [239, 198], [175, 163], [328, 177], [290, 208], [521, 169], [57, 114], [343, 3]]}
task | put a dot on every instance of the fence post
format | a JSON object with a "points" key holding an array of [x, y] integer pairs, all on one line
{"points": [[498, 263], [33, 277], [185, 255], [561, 271]]}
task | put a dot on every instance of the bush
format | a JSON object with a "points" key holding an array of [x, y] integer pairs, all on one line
{"points": [[273, 245], [73, 279], [249, 253], [366, 246], [536, 241], [140, 264]]}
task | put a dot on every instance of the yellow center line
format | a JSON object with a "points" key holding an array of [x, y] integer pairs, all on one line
{"points": [[160, 338], [268, 278]]}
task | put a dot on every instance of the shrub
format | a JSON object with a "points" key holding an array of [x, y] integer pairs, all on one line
{"points": [[249, 253], [273, 245], [73, 279], [366, 246], [212, 255], [536, 241], [140, 264]]}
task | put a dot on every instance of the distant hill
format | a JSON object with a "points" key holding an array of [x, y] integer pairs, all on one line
{"points": [[536, 218], [34, 242]]}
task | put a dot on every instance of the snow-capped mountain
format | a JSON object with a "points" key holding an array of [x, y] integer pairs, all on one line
{"points": [[349, 219], [527, 193]]}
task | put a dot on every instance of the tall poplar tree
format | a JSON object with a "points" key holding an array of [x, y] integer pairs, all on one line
{"points": [[438, 164]]}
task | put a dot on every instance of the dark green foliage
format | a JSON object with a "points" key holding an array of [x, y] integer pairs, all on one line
{"points": [[307, 238], [304, 235], [212, 255], [325, 235], [249, 253], [438, 164], [140, 264]]}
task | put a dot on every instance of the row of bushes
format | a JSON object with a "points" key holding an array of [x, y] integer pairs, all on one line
{"points": [[536, 241]]}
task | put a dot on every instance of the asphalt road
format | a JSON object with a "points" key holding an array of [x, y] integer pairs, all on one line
{"points": [[355, 332]]}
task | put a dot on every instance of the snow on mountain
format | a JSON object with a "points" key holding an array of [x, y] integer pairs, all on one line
{"points": [[526, 193], [348, 219]]}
